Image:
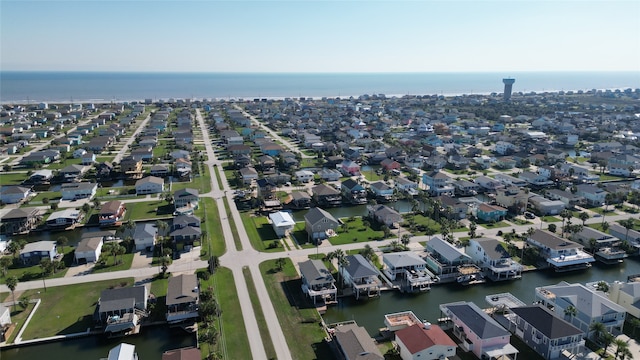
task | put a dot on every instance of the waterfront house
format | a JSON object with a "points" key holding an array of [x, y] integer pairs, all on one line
{"points": [[561, 254], [447, 261], [329, 174], [384, 215], [63, 218], [5, 321], [34, 252], [569, 199], [188, 353], [185, 229], [41, 176], [282, 223], [513, 198], [424, 342], [186, 200], [591, 306], [88, 250], [465, 188], [406, 185], [19, 220], [438, 182], [593, 195], [353, 192], [248, 175], [111, 213], [300, 200], [123, 351], [159, 170], [88, 158], [304, 175], [409, 270], [120, 310], [72, 172], [80, 190], [629, 235], [131, 167], [626, 295], [390, 164], [104, 170], [478, 332], [453, 207], [607, 247], [266, 189], [13, 194], [182, 298], [319, 224], [326, 196], [149, 185], [354, 343], [361, 276], [350, 168], [544, 206], [547, 333], [489, 213], [145, 236], [381, 191], [487, 184], [493, 259], [317, 282]]}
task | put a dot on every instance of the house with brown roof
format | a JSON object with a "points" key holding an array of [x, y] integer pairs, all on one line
{"points": [[111, 213], [354, 343]]}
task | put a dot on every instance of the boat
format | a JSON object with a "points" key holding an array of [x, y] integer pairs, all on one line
{"points": [[610, 255]]}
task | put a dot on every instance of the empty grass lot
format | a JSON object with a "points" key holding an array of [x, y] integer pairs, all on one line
{"points": [[12, 179], [260, 232], [297, 316], [208, 213], [355, 231], [149, 210], [127, 259]]}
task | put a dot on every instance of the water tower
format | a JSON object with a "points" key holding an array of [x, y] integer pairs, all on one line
{"points": [[508, 84]]}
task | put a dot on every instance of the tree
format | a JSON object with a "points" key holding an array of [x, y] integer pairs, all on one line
{"points": [[62, 241], [627, 224], [280, 262], [341, 258], [602, 286], [472, 230], [597, 330], [626, 354], [621, 345], [86, 208], [583, 216], [635, 324], [15, 247], [23, 302], [12, 283], [385, 230], [570, 311], [130, 227], [5, 262], [565, 215], [209, 336], [368, 252], [96, 203], [214, 263], [405, 239], [605, 226], [552, 228], [607, 339], [429, 231]]}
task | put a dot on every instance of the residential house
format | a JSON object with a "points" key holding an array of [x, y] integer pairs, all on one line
{"points": [[447, 261], [104, 170], [282, 223], [353, 192], [72, 172], [145, 236], [453, 208], [80, 190], [304, 175], [439, 183], [319, 224], [409, 270], [185, 229], [509, 180], [478, 332], [537, 180], [547, 333], [248, 175], [593, 195], [544, 206], [390, 164], [381, 191], [424, 342], [120, 310], [361, 276], [123, 351], [493, 259], [329, 174], [490, 213], [186, 200], [19, 220], [180, 154], [623, 165], [317, 282], [561, 254], [41, 176], [487, 184], [111, 213], [88, 158], [63, 218], [266, 189], [513, 198], [159, 170], [626, 295], [149, 185], [569, 199], [267, 163], [183, 168], [88, 250], [465, 188], [13, 194], [354, 343], [591, 306], [183, 295], [131, 167], [300, 200], [629, 235], [189, 353], [384, 215], [350, 168], [34, 252], [405, 185], [326, 196]]}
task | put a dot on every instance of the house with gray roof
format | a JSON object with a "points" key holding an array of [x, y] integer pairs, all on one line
{"points": [[317, 282], [63, 218], [409, 270], [120, 310], [10, 194], [145, 236], [326, 196], [591, 306], [447, 261], [34, 252], [182, 298], [319, 224], [547, 333], [354, 343], [361, 276], [384, 215], [493, 259], [88, 250], [478, 332], [561, 254]]}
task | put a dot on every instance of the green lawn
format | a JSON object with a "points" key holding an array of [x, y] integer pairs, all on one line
{"points": [[298, 318], [301, 236], [355, 232], [257, 309], [149, 210], [51, 195], [12, 179], [520, 221], [63, 163], [499, 224], [234, 336], [260, 232], [30, 273], [232, 224], [202, 182], [211, 225], [549, 218], [217, 171], [18, 317], [67, 309], [127, 259], [371, 174]]}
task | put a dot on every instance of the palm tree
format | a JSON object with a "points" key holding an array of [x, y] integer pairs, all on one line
{"points": [[429, 231], [368, 252], [62, 241], [162, 227], [605, 225], [472, 230], [130, 226], [5, 262], [280, 263], [598, 330], [12, 283], [341, 259], [626, 354], [635, 324], [565, 214], [570, 311], [583, 216], [406, 238], [620, 346], [607, 339], [627, 224]]}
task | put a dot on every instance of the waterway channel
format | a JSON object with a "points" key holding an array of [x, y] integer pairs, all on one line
{"points": [[150, 344], [370, 313]]}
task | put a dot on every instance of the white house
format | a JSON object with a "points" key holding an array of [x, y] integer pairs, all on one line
{"points": [[13, 194], [81, 190], [304, 175], [282, 223], [89, 250], [145, 236], [149, 185]]}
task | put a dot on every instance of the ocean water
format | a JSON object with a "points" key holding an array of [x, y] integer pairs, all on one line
{"points": [[105, 86]]}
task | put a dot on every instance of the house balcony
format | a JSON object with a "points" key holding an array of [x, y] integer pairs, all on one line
{"points": [[328, 290], [505, 270], [567, 345], [190, 312], [419, 279]]}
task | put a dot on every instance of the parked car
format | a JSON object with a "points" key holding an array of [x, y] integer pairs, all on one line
{"points": [[529, 215]]}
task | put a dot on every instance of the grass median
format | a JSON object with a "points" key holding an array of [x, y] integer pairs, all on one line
{"points": [[257, 309]]}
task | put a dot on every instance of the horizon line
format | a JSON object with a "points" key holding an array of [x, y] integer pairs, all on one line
{"points": [[317, 72]]}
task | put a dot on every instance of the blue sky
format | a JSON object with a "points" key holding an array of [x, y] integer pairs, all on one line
{"points": [[320, 36]]}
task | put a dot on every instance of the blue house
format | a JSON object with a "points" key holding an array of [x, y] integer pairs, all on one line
{"points": [[489, 213], [381, 190]]}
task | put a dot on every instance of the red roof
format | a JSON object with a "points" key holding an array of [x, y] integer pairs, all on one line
{"points": [[416, 338]]}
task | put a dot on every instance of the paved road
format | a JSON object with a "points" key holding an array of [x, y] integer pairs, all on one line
{"points": [[293, 148], [132, 138]]}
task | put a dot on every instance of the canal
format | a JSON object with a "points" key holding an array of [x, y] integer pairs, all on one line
{"points": [[370, 313], [150, 344]]}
